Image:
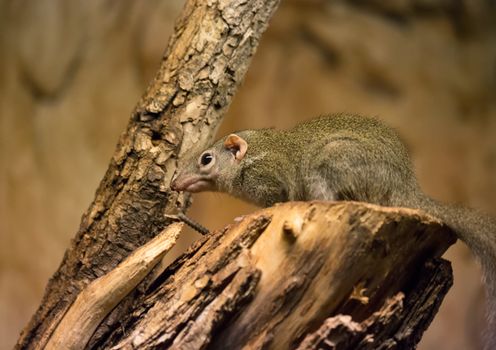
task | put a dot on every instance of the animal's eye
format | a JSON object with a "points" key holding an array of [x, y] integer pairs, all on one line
{"points": [[206, 158]]}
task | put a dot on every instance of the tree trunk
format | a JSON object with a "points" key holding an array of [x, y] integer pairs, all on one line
{"points": [[270, 281], [206, 60]]}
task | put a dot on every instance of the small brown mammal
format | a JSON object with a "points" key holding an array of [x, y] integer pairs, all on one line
{"points": [[335, 157]]}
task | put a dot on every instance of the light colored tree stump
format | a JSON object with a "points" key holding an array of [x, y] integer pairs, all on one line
{"points": [[313, 275]]}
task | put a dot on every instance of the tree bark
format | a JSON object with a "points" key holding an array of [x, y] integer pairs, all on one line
{"points": [[206, 59], [306, 275]]}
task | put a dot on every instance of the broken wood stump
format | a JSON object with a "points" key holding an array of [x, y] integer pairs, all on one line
{"points": [[299, 275]]}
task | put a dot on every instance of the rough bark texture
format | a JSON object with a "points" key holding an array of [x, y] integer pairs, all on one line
{"points": [[205, 61], [399, 324], [271, 280]]}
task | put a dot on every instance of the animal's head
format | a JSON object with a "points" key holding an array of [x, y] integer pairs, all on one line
{"points": [[214, 169]]}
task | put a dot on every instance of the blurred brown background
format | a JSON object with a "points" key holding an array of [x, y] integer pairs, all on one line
{"points": [[71, 72]]}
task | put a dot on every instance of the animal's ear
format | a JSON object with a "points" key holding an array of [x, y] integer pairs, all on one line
{"points": [[236, 145]]}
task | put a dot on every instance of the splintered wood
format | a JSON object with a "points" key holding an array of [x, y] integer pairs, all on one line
{"points": [[299, 275], [95, 302]]}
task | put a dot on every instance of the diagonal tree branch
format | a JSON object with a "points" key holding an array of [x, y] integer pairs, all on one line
{"points": [[207, 58]]}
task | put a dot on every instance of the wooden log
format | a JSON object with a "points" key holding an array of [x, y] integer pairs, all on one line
{"points": [[298, 275]]}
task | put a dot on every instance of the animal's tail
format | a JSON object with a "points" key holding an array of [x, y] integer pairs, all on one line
{"points": [[478, 232]]}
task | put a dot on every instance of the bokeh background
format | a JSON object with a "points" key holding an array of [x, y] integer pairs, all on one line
{"points": [[71, 72]]}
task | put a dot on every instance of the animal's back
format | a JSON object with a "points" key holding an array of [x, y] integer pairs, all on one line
{"points": [[346, 156]]}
